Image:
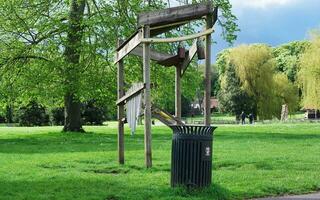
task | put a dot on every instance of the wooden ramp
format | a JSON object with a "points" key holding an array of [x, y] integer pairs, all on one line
{"points": [[165, 117]]}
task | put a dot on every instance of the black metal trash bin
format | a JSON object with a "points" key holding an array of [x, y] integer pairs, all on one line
{"points": [[191, 156]]}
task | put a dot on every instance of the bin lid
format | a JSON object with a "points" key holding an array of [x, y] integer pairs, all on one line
{"points": [[193, 129]]}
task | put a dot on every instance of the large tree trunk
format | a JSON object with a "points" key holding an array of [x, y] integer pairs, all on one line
{"points": [[72, 114], [72, 57]]}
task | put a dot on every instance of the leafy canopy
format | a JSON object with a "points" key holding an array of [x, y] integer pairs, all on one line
{"points": [[309, 73]]}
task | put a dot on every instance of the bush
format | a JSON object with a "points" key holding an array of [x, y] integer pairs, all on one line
{"points": [[2, 119], [57, 116], [93, 113], [32, 115]]}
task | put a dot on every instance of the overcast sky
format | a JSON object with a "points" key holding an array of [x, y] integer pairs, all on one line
{"points": [[272, 21]]}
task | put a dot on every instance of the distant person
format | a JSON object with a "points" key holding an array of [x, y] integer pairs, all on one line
{"points": [[251, 118], [243, 117]]}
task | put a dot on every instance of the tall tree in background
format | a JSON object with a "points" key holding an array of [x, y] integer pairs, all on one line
{"points": [[54, 49], [254, 68], [309, 73], [60, 53], [72, 56], [287, 57], [232, 97]]}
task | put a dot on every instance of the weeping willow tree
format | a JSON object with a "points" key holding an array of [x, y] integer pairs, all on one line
{"points": [[309, 73], [285, 92], [255, 67]]}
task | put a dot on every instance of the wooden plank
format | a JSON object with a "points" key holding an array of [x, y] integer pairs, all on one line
{"points": [[175, 14], [166, 117], [207, 74], [165, 28], [147, 99], [154, 55], [129, 95], [191, 53], [172, 61], [120, 93], [129, 46], [178, 92], [178, 39]]}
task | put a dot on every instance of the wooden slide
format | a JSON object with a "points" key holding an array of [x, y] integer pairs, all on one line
{"points": [[165, 117]]}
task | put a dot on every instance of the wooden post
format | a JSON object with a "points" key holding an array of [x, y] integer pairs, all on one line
{"points": [[207, 93], [120, 83], [178, 92], [147, 98]]}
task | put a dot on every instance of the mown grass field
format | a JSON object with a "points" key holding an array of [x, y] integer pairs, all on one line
{"points": [[249, 161]]}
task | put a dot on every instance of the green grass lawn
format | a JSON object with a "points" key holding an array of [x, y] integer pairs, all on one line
{"points": [[249, 161]]}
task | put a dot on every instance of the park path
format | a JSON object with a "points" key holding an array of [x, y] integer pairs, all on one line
{"points": [[314, 196]]}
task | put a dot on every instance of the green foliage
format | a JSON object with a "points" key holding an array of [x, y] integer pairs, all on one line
{"points": [[35, 44], [232, 98], [309, 73], [93, 113], [185, 106], [285, 92], [250, 82], [57, 116], [227, 20], [32, 114], [287, 57]]}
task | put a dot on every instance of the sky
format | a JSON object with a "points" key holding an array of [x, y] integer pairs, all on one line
{"points": [[273, 22]]}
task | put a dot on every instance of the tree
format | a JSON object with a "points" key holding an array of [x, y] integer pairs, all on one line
{"points": [[57, 49], [309, 73], [285, 92], [254, 65], [61, 52], [232, 98], [287, 57]]}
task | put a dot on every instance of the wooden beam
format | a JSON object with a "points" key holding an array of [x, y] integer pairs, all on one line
{"points": [[178, 39], [129, 46], [157, 30], [207, 74], [178, 92], [147, 98], [192, 52], [120, 93], [165, 28], [172, 61], [131, 94], [175, 14], [154, 55], [166, 117]]}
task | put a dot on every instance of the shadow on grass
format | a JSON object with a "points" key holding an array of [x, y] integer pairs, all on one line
{"points": [[57, 142], [57, 187], [215, 191], [93, 142]]}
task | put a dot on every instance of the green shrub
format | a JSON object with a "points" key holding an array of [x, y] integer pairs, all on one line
{"points": [[57, 116], [93, 113], [32, 114]]}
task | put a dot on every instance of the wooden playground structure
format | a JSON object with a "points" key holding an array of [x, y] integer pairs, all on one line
{"points": [[151, 24]]}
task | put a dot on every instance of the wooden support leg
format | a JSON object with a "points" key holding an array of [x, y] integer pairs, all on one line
{"points": [[147, 99], [178, 93], [120, 83], [207, 93]]}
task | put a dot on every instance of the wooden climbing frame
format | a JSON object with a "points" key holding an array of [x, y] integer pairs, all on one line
{"points": [[151, 24]]}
